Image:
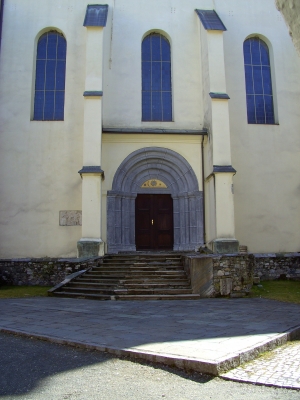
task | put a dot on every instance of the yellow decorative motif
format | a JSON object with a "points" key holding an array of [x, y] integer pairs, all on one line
{"points": [[154, 184]]}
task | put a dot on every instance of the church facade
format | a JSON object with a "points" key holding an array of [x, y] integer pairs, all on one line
{"points": [[147, 126]]}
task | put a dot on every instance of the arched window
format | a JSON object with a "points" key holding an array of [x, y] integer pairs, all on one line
{"points": [[50, 77], [260, 109], [156, 78]]}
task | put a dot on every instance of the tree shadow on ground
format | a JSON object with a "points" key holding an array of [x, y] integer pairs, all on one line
{"points": [[25, 363]]}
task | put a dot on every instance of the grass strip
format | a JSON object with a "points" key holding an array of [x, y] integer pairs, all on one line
{"points": [[8, 292], [282, 290]]}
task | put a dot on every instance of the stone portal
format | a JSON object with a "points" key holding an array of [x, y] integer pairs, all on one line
{"points": [[154, 170]]}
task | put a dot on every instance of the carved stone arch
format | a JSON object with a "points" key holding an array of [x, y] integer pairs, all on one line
{"points": [[176, 173]]}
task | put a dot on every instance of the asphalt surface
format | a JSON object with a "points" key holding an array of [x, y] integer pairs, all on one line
{"points": [[39, 370]]}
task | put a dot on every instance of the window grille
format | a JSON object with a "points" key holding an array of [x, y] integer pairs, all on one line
{"points": [[156, 78], [260, 109], [50, 77]]}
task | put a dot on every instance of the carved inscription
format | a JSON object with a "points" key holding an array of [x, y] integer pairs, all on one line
{"points": [[70, 217]]}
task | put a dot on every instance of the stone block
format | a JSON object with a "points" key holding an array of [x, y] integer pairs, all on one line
{"points": [[89, 248], [225, 286], [237, 294], [225, 246]]}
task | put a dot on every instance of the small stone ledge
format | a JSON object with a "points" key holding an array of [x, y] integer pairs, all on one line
{"points": [[218, 95], [93, 93]]}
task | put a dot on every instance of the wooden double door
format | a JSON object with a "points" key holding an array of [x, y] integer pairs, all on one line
{"points": [[154, 222]]}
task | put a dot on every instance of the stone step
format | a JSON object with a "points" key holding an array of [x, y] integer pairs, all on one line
{"points": [[83, 290], [82, 296], [132, 277], [123, 291], [134, 282], [134, 272], [174, 284], [141, 260], [78, 283], [163, 291], [97, 280], [160, 297], [139, 263], [86, 284], [129, 297], [135, 269], [115, 277], [143, 257]]}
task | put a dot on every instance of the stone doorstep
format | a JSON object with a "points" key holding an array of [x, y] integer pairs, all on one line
{"points": [[211, 367]]}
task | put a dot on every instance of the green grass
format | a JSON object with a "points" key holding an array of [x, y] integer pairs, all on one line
{"points": [[278, 290], [7, 292]]}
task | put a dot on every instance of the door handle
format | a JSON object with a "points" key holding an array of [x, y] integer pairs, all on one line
{"points": [[152, 221]]}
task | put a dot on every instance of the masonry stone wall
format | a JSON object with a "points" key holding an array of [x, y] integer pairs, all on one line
{"points": [[215, 275], [233, 275], [44, 272], [275, 266], [211, 275]]}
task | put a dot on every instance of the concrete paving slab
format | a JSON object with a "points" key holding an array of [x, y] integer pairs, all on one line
{"points": [[208, 335]]}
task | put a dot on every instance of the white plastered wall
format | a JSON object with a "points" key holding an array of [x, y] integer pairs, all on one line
{"points": [[122, 63], [266, 157], [39, 160]]}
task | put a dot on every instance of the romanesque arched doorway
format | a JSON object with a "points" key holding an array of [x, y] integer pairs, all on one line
{"points": [[154, 171]]}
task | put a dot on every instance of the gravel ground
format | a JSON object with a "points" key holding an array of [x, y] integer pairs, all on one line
{"points": [[33, 369]]}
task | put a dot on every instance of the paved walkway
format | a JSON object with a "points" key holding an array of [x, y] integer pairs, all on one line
{"points": [[280, 368], [209, 335]]}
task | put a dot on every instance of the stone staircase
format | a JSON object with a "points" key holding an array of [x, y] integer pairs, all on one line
{"points": [[132, 277]]}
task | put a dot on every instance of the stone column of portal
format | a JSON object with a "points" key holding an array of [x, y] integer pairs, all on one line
{"points": [[91, 244], [218, 150]]}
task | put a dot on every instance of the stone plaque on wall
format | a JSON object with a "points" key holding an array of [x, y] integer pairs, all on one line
{"points": [[70, 217]]}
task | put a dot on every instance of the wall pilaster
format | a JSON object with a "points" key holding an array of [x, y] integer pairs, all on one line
{"points": [[91, 243], [220, 233]]}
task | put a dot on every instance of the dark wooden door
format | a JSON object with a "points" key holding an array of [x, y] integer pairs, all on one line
{"points": [[154, 222]]}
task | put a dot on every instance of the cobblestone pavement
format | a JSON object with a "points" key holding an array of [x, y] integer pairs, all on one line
{"points": [[280, 368], [208, 335]]}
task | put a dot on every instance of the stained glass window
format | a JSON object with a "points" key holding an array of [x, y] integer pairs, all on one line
{"points": [[260, 109], [50, 77], [156, 78]]}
